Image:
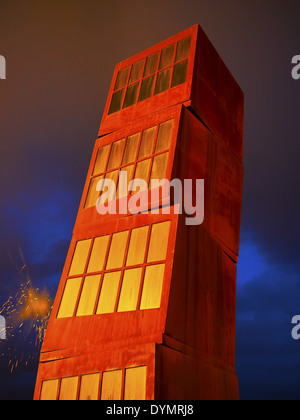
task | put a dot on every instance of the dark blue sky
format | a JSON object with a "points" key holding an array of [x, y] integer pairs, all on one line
{"points": [[60, 60]]}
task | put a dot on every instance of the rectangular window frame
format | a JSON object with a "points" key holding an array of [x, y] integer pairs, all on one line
{"points": [[122, 269], [79, 381], [121, 91], [110, 140]]}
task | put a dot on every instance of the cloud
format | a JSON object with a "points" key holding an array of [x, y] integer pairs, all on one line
{"points": [[267, 357]]}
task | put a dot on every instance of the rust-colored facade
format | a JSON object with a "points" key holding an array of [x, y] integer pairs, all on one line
{"points": [[145, 308]]}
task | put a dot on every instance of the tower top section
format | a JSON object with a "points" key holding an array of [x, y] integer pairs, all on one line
{"points": [[184, 69]]}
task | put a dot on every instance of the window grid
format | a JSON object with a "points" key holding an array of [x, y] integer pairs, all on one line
{"points": [[144, 76], [132, 162], [99, 385], [122, 269]]}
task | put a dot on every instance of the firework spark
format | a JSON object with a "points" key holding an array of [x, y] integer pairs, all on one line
{"points": [[27, 314]]}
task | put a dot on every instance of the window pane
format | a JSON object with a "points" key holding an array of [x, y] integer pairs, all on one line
{"points": [[98, 254], [159, 242], [116, 154], [137, 246], [131, 149], [151, 64], [68, 389], [180, 72], [93, 194], [142, 171], [101, 160], [164, 136], [89, 388], [136, 71], [130, 290], [69, 299], [116, 101], [163, 81], [159, 168], [49, 390], [131, 95], [122, 78], [123, 189], [109, 194], [88, 295], [153, 284], [147, 142], [183, 49], [135, 383], [146, 88], [117, 250], [111, 385], [109, 291], [80, 257], [167, 57]]}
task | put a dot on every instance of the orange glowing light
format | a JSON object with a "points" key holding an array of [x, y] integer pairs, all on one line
{"points": [[35, 305]]}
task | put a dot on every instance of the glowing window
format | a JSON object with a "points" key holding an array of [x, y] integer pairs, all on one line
{"points": [[131, 95], [109, 194], [167, 57], [93, 194], [89, 387], [147, 88], [159, 167], [131, 149], [116, 154], [68, 389], [151, 64], [142, 171], [163, 81], [183, 49], [152, 289], [80, 257], [147, 142], [164, 136], [180, 72], [136, 71], [130, 290], [141, 156], [122, 78], [158, 242], [167, 60], [49, 390], [135, 383], [112, 385], [117, 250], [118, 276], [98, 254], [69, 299], [130, 172], [116, 101], [137, 246], [101, 159], [88, 295], [109, 293]]}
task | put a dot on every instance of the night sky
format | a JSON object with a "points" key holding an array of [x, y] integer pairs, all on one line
{"points": [[60, 60]]}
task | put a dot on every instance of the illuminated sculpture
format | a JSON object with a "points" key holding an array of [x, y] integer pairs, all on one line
{"points": [[146, 304]]}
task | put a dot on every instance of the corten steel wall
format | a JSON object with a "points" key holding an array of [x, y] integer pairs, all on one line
{"points": [[187, 343]]}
